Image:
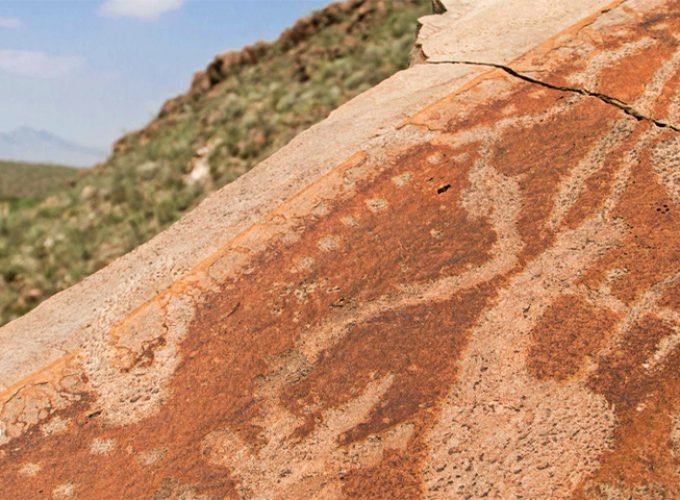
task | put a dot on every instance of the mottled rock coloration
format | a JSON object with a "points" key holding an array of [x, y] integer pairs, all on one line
{"points": [[463, 283]]}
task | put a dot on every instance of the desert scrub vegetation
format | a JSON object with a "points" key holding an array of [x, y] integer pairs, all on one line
{"points": [[242, 108], [19, 180]]}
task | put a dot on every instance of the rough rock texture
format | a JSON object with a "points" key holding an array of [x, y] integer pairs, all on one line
{"points": [[463, 283]]}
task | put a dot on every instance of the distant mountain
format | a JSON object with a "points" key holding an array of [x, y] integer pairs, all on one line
{"points": [[38, 146]]}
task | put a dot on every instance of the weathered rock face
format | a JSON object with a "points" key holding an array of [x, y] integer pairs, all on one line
{"points": [[478, 297]]}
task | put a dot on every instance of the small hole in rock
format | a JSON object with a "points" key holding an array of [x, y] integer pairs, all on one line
{"points": [[443, 189]]}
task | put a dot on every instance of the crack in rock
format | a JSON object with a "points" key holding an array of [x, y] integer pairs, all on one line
{"points": [[613, 101]]}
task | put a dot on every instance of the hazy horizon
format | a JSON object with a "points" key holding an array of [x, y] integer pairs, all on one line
{"points": [[29, 145]]}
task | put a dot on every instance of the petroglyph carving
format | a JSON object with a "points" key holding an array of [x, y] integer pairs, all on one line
{"points": [[396, 326], [316, 463]]}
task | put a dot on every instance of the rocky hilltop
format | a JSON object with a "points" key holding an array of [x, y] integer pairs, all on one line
{"points": [[462, 283]]}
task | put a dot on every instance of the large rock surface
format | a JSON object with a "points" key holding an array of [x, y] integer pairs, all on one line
{"points": [[463, 283]]}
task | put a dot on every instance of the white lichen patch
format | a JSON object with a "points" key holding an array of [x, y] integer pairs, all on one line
{"points": [[435, 158], [328, 243], [461, 157], [377, 205], [63, 491], [509, 110], [290, 238], [150, 457], [436, 234], [302, 293], [30, 469], [349, 221], [402, 179], [100, 446], [615, 274], [321, 209], [55, 426], [302, 264]]}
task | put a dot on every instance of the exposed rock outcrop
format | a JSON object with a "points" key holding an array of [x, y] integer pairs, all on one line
{"points": [[463, 283], [347, 14]]}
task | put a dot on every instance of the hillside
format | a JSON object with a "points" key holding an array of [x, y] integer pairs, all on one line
{"points": [[243, 107], [462, 284], [29, 180]]}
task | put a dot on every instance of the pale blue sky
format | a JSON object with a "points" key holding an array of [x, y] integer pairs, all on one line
{"points": [[89, 70]]}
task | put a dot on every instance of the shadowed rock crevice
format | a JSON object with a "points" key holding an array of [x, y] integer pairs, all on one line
{"points": [[613, 101]]}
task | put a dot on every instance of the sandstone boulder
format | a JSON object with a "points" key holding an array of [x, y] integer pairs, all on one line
{"points": [[463, 283]]}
